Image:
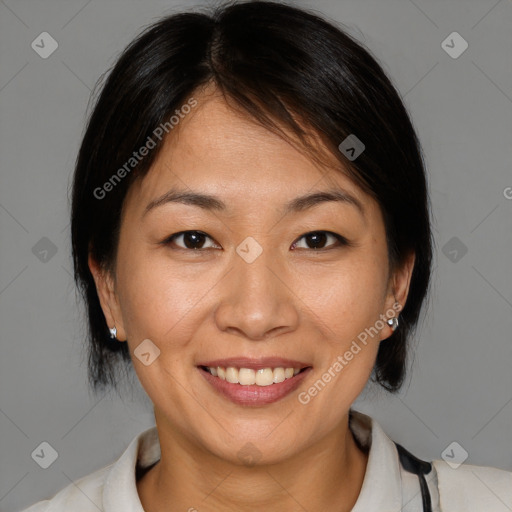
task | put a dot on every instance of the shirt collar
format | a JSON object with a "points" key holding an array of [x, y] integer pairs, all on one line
{"points": [[120, 491], [381, 489], [382, 484]]}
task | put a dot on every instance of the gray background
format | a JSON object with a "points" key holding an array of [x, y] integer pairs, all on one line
{"points": [[460, 388]]}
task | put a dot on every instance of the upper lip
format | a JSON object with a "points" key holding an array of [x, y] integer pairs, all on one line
{"points": [[255, 364]]}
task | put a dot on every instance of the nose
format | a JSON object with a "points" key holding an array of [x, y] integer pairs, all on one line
{"points": [[257, 301]]}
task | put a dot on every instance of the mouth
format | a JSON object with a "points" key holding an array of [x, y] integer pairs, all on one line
{"points": [[254, 382]]}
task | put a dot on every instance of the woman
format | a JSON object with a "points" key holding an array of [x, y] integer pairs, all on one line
{"points": [[250, 227]]}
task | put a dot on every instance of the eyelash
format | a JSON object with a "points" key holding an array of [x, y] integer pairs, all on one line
{"points": [[341, 240]]}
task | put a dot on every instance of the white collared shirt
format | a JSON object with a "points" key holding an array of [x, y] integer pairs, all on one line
{"points": [[386, 486]]}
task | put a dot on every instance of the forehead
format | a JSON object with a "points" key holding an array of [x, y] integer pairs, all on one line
{"points": [[220, 151]]}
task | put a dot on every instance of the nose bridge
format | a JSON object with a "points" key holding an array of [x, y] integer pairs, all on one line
{"points": [[256, 268], [257, 300]]}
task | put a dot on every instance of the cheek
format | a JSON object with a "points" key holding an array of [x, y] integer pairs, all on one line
{"points": [[349, 297], [158, 304], [347, 316], [348, 303], [154, 298]]}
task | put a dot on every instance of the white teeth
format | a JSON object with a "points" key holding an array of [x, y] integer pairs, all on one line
{"points": [[265, 377], [278, 375], [248, 376], [232, 375]]}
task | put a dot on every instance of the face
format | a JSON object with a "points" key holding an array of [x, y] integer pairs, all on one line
{"points": [[254, 277]]}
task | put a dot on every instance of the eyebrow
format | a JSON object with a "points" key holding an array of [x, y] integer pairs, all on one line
{"points": [[209, 202]]}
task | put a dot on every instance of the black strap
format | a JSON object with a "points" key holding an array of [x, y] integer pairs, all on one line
{"points": [[419, 467]]}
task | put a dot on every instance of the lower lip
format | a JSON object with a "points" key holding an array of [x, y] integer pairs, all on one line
{"points": [[254, 395]]}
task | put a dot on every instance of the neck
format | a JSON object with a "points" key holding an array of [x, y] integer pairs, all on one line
{"points": [[327, 476]]}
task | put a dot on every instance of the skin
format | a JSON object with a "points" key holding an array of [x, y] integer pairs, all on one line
{"points": [[293, 301]]}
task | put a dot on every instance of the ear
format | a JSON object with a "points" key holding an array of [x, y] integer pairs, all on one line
{"points": [[105, 287], [398, 289]]}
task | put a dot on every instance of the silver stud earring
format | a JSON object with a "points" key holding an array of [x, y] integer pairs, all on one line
{"points": [[393, 323], [113, 332]]}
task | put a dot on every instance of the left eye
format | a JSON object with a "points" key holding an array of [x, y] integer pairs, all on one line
{"points": [[317, 239]]}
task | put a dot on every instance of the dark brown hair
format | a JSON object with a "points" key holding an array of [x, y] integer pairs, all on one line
{"points": [[286, 67]]}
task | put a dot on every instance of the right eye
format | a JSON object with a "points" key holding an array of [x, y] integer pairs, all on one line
{"points": [[193, 240]]}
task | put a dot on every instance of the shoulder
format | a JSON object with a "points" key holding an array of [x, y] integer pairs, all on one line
{"points": [[474, 488], [84, 495], [112, 487]]}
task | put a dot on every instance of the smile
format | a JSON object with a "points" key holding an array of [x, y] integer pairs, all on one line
{"points": [[254, 386], [248, 376]]}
